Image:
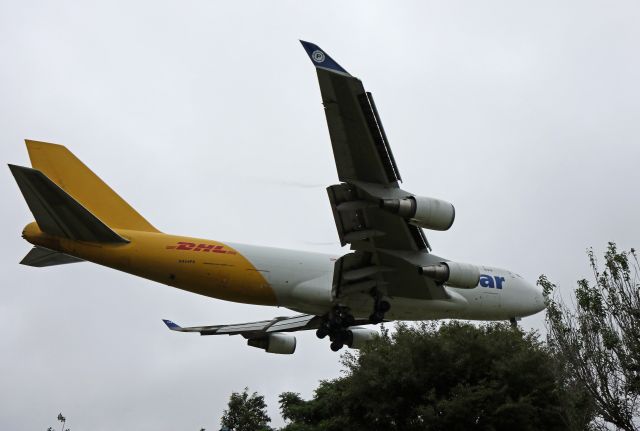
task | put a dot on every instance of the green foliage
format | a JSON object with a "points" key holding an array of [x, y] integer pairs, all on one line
{"points": [[246, 413], [450, 377], [599, 341], [62, 420]]}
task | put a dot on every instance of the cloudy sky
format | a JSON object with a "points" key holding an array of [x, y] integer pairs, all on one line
{"points": [[206, 117]]}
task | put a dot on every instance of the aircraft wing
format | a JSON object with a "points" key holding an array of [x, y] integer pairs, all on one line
{"points": [[255, 329], [369, 174], [364, 161], [268, 334]]}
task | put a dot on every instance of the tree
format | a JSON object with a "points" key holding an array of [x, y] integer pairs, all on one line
{"points": [[246, 412], [62, 420], [599, 342], [452, 376]]}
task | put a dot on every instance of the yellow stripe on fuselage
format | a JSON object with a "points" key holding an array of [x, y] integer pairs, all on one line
{"points": [[206, 267]]}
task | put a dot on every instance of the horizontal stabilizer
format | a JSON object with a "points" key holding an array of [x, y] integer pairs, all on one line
{"points": [[56, 212], [41, 257]]}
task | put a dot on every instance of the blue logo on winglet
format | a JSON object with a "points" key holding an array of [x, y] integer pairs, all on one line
{"points": [[321, 59], [317, 56]]}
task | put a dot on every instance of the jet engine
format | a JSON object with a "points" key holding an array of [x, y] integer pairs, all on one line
{"points": [[360, 336], [278, 342], [429, 213], [455, 274]]}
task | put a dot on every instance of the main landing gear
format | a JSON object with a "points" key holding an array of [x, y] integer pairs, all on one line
{"points": [[337, 322], [335, 326], [514, 322], [380, 307]]}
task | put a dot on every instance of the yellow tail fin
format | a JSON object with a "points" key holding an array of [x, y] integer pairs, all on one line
{"points": [[70, 174]]}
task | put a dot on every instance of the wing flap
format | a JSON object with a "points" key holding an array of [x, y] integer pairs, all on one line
{"points": [[347, 110], [360, 222], [292, 324], [244, 327], [379, 136]]}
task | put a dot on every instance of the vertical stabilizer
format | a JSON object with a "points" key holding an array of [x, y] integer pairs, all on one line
{"points": [[69, 173]]}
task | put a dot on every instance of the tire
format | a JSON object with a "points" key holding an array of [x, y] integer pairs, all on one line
{"points": [[384, 306], [336, 345], [348, 338], [376, 318], [322, 332], [349, 321]]}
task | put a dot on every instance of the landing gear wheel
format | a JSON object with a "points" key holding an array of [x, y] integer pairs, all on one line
{"points": [[383, 306], [376, 317], [336, 345], [349, 320], [335, 325], [348, 338], [322, 332]]}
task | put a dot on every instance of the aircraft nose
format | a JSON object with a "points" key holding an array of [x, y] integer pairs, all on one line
{"points": [[538, 298]]}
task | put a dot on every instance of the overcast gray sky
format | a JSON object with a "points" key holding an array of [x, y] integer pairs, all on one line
{"points": [[206, 117]]}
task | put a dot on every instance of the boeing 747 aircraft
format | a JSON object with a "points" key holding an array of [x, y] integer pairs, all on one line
{"points": [[389, 274]]}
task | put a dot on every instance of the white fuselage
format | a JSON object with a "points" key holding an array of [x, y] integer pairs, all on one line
{"points": [[302, 281]]}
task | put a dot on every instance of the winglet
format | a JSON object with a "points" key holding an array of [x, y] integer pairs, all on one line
{"points": [[171, 325], [321, 59]]}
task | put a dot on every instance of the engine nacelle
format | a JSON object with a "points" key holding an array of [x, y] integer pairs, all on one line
{"points": [[360, 336], [429, 213], [455, 274], [278, 342]]}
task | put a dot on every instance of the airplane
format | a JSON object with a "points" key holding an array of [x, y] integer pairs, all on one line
{"points": [[389, 274]]}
